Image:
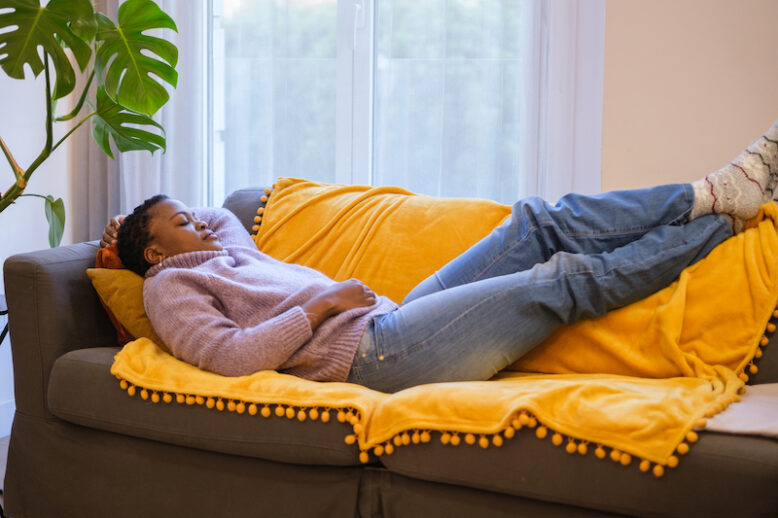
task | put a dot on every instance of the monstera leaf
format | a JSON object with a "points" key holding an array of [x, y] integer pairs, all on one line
{"points": [[125, 71], [72, 21], [113, 120]]}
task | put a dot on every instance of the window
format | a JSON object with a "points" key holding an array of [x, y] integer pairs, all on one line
{"points": [[442, 97]]}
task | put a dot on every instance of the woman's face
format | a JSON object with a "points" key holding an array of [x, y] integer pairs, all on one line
{"points": [[175, 229]]}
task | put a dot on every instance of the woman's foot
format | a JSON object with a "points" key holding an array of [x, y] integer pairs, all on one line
{"points": [[740, 188]]}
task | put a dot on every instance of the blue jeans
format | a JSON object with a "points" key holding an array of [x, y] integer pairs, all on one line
{"points": [[544, 267]]}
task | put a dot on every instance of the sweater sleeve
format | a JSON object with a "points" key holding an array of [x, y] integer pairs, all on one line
{"points": [[227, 226], [188, 319]]}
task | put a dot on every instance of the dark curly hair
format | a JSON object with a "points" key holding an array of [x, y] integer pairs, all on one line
{"points": [[134, 236]]}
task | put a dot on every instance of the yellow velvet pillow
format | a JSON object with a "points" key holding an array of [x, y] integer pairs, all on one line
{"points": [[387, 237], [122, 291]]}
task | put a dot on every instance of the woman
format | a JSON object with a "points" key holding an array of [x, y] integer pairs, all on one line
{"points": [[224, 306]]}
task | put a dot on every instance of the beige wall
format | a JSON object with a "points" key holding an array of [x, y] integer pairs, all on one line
{"points": [[688, 83]]}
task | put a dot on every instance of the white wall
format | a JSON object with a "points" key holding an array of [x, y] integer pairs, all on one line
{"points": [[23, 225], [688, 84]]}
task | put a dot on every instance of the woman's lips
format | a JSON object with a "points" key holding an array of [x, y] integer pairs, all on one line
{"points": [[211, 236]]}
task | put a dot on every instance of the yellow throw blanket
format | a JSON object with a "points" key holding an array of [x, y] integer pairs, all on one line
{"points": [[668, 360]]}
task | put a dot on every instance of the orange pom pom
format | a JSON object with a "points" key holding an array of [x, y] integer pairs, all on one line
{"points": [[625, 459], [123, 384], [210, 403], [199, 400], [764, 341], [397, 440], [302, 416], [230, 405], [363, 457], [357, 428], [378, 450], [290, 413], [753, 369], [483, 442], [263, 199], [771, 327], [325, 416], [416, 437], [406, 439], [583, 449], [571, 447], [658, 471], [672, 461], [541, 432], [692, 436], [497, 440], [470, 439], [645, 466], [600, 452], [445, 438], [167, 398], [425, 436], [682, 448], [455, 440], [220, 405], [351, 439], [389, 448], [341, 416], [180, 398], [253, 409], [265, 411], [144, 394], [155, 398], [509, 433], [313, 414], [191, 400], [557, 439], [131, 390], [280, 411]]}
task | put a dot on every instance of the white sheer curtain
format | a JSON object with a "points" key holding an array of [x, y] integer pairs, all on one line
{"points": [[495, 99], [498, 99], [179, 171], [103, 187]]}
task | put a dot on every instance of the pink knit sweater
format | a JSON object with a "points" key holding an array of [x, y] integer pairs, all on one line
{"points": [[237, 311]]}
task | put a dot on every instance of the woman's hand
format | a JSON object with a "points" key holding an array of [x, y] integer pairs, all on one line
{"points": [[341, 297], [111, 231]]}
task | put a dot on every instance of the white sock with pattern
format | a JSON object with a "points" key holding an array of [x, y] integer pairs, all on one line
{"points": [[740, 188]]}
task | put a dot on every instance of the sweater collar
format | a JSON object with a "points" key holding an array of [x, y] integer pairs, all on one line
{"points": [[185, 260]]}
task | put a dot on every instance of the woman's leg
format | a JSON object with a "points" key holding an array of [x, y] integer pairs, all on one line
{"points": [[594, 224], [577, 223], [472, 331]]}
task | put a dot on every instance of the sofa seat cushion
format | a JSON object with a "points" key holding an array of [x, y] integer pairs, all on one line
{"points": [[722, 475], [83, 391]]}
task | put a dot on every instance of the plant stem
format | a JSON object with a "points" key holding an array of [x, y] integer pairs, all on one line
{"points": [[74, 128], [33, 195], [21, 183], [80, 102], [18, 171]]}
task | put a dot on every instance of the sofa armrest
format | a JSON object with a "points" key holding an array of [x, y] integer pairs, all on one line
{"points": [[52, 309]]}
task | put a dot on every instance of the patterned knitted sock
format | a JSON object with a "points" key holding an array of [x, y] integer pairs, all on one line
{"points": [[740, 188]]}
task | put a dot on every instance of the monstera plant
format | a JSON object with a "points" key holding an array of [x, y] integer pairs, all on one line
{"points": [[126, 64]]}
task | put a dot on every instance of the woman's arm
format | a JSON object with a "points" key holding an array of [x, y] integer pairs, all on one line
{"points": [[191, 324], [227, 226], [222, 221]]}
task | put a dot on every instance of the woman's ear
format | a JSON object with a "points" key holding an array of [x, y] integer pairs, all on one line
{"points": [[153, 255]]}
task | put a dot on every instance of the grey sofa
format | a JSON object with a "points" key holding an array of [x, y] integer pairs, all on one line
{"points": [[80, 447]]}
